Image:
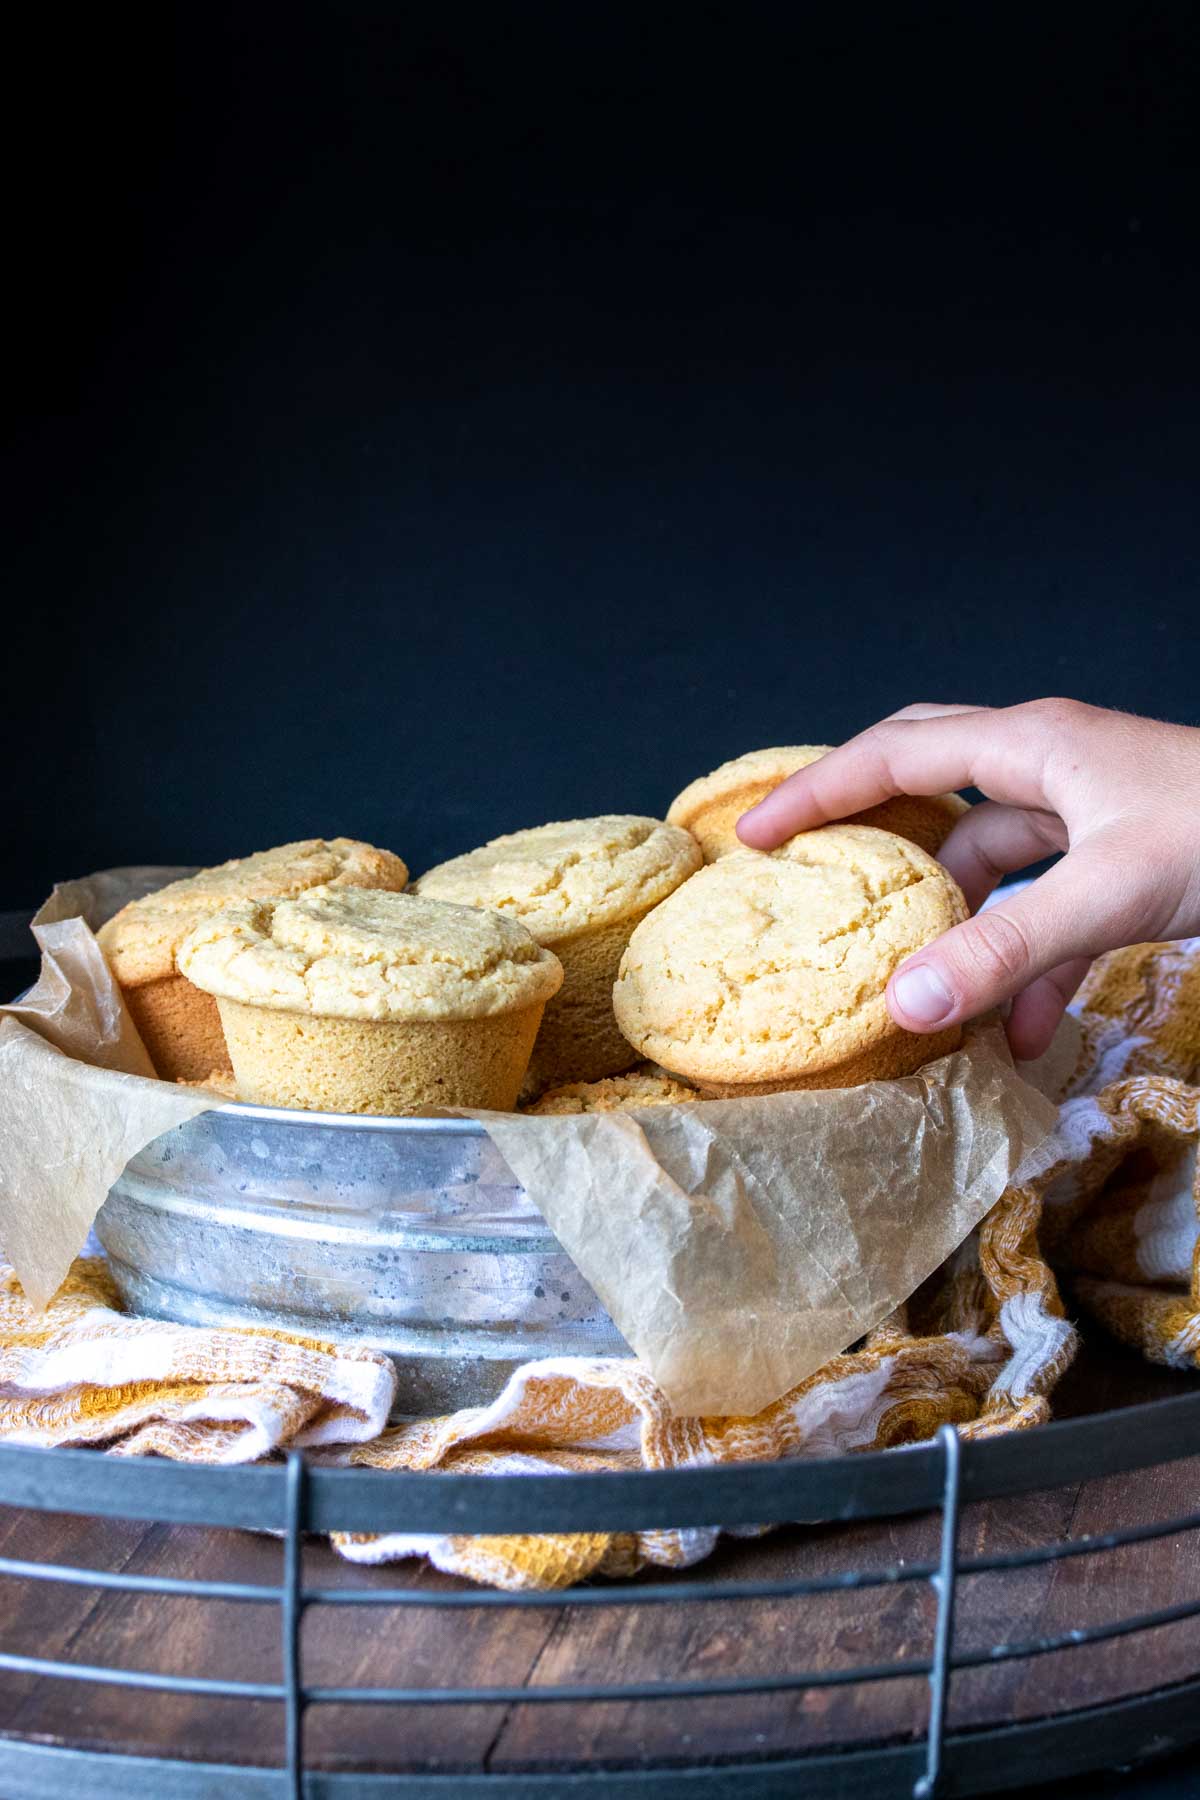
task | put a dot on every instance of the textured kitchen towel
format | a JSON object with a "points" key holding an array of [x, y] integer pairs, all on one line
{"points": [[1109, 1200], [83, 1372]]}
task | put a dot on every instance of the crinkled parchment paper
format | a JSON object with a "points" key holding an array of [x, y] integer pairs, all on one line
{"points": [[737, 1244], [78, 1096]]}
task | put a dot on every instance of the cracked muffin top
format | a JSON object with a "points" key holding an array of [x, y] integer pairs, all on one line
{"points": [[141, 940], [769, 966], [573, 876], [353, 953]]}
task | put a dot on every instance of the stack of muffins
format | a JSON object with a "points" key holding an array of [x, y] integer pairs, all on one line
{"points": [[592, 965]]}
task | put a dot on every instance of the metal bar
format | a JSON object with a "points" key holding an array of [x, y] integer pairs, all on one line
{"points": [[632, 1593], [1091, 1545], [873, 1485], [139, 1487], [136, 1584], [943, 1584], [1013, 1756], [1082, 1634], [291, 1615], [629, 1593], [141, 1678], [620, 1691], [478, 1696], [625, 1691]]}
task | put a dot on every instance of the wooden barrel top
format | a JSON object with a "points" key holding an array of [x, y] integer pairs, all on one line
{"points": [[534, 1646]]}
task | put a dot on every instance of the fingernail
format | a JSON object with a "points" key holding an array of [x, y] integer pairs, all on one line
{"points": [[922, 995]]}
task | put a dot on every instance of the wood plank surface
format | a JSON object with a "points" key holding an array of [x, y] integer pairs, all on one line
{"points": [[596, 1644]]}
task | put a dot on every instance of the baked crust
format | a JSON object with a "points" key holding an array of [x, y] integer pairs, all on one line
{"points": [[571, 876], [768, 969], [142, 940], [358, 953], [616, 1093]]}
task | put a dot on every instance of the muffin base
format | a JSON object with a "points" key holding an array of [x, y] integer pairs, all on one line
{"points": [[389, 1066], [180, 1027], [579, 1039], [902, 1053]]}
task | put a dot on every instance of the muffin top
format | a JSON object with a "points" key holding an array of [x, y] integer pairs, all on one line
{"points": [[750, 770], [141, 941], [352, 953], [615, 1093], [773, 965], [711, 806], [571, 876]]}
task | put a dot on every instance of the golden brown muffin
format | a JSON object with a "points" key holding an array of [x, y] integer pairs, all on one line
{"points": [[580, 886], [768, 970], [616, 1093], [345, 1000], [178, 1024], [710, 807]]}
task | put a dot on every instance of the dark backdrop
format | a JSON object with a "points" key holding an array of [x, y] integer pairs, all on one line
{"points": [[424, 429]]}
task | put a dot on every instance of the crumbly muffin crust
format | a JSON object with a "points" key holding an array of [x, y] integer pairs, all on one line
{"points": [[570, 876], [141, 941], [355, 953], [616, 1093], [710, 807], [769, 969]]}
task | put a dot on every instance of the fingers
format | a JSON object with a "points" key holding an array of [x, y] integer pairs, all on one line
{"points": [[870, 768], [1080, 907], [992, 841], [1002, 752], [907, 755], [1035, 1013]]}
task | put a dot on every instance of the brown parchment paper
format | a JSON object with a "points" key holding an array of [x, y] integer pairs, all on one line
{"points": [[78, 1095], [737, 1244]]}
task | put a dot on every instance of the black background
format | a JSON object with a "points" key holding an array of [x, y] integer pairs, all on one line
{"points": [[427, 425]]}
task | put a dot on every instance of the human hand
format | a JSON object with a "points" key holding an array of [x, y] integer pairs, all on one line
{"points": [[1121, 795]]}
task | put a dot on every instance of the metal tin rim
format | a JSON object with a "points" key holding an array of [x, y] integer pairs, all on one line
{"points": [[295, 1116]]}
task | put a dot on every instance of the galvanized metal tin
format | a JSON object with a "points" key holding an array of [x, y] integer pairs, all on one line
{"points": [[411, 1235]]}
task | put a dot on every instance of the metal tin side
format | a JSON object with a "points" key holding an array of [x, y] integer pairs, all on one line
{"points": [[410, 1235]]}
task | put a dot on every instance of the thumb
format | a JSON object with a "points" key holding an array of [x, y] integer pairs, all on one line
{"points": [[1078, 909]]}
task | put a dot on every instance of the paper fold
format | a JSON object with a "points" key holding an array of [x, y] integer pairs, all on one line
{"points": [[78, 1093], [739, 1244]]}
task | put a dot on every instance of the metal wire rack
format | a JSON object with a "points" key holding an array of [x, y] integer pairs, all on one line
{"points": [[294, 1498]]}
